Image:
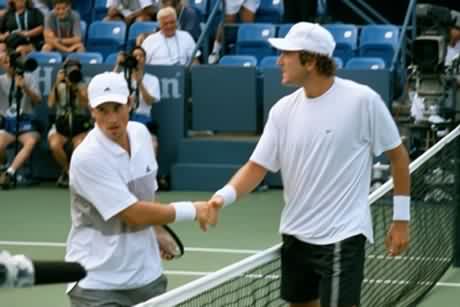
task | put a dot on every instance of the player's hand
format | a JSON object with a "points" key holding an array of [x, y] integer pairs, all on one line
{"points": [[202, 214], [166, 243], [19, 80], [215, 204], [397, 239]]}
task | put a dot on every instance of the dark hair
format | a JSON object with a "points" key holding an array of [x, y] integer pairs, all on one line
{"points": [[69, 2], [324, 64], [138, 48], [27, 3]]}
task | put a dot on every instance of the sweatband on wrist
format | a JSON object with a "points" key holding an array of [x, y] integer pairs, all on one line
{"points": [[185, 211], [401, 208], [228, 193]]}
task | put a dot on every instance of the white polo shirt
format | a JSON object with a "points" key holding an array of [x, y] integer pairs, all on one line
{"points": [[323, 147], [104, 180], [174, 50]]}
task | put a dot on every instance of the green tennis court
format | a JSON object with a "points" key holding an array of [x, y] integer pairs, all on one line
{"points": [[35, 222]]}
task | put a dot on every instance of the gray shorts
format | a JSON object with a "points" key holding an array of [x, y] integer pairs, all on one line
{"points": [[80, 297]]}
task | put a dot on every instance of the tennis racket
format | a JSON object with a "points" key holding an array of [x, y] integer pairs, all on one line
{"points": [[169, 241]]}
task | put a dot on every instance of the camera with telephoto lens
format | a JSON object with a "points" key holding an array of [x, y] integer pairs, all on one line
{"points": [[20, 64], [72, 71], [129, 61]]}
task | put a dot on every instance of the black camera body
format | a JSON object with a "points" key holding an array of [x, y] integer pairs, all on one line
{"points": [[72, 71], [129, 62], [21, 64]]}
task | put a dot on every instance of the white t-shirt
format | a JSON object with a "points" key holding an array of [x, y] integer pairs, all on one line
{"points": [[127, 7], [152, 85], [162, 50], [323, 147], [452, 52], [105, 180]]}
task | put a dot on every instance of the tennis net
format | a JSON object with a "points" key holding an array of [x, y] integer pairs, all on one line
{"points": [[389, 281]]}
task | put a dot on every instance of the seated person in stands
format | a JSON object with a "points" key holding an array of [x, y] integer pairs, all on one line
{"points": [[453, 47], [23, 19], [13, 85], [69, 100], [145, 88], [169, 46], [131, 10], [245, 9], [187, 20], [62, 29]]}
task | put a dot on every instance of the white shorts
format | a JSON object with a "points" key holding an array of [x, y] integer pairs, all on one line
{"points": [[232, 7]]}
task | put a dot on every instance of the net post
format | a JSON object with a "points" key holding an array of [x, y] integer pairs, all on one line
{"points": [[457, 212]]}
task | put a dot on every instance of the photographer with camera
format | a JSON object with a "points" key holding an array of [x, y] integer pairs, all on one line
{"points": [[144, 88], [69, 98], [19, 92]]}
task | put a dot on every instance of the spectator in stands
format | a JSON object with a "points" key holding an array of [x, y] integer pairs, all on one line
{"points": [[245, 10], [43, 6], [131, 10], [169, 46], [145, 89], [23, 19], [188, 20], [12, 83], [314, 10], [69, 100], [453, 48], [62, 29]]}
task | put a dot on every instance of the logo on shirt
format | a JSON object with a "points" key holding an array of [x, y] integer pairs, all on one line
{"points": [[107, 89], [328, 131], [147, 169]]}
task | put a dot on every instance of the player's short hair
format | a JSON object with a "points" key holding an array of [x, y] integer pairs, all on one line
{"points": [[325, 65]]}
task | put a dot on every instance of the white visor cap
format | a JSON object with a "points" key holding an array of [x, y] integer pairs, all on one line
{"points": [[306, 36], [108, 87]]}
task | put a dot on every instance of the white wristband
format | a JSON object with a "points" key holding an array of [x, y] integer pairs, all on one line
{"points": [[401, 208], [185, 211], [228, 193]]}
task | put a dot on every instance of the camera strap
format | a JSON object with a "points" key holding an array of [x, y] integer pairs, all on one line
{"points": [[25, 20]]}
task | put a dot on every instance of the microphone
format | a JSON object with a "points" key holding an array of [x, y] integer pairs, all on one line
{"points": [[19, 271]]}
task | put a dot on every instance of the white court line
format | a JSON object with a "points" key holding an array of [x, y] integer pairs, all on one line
{"points": [[187, 249], [191, 249]]}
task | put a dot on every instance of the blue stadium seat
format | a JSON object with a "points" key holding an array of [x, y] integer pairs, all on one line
{"points": [[138, 28], [106, 37], [379, 41], [284, 29], [46, 57], [269, 62], [252, 39], [238, 60], [87, 57], [365, 63], [83, 29], [270, 11], [3, 4], [111, 58], [100, 9], [338, 62], [85, 9], [346, 38]]}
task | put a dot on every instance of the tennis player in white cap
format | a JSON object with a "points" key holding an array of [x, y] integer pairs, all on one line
{"points": [[323, 138], [113, 207]]}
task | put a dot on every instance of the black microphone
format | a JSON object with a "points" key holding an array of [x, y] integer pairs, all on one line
{"points": [[19, 271]]}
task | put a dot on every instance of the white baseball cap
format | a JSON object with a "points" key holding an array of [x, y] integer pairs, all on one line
{"points": [[308, 37], [108, 87]]}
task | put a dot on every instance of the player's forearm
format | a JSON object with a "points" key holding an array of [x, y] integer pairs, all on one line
{"points": [[148, 213], [400, 172], [247, 178]]}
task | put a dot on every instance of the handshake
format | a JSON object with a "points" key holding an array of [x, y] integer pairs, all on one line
{"points": [[207, 212]]}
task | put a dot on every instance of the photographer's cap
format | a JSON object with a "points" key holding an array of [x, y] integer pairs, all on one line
{"points": [[107, 87], [306, 36]]}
